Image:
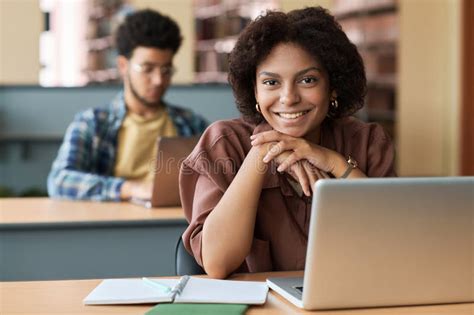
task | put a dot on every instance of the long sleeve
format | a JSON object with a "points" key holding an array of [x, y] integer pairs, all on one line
{"points": [[367, 143], [207, 173], [80, 169], [380, 154], [187, 122]]}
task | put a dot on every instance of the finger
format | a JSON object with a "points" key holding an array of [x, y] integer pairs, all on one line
{"points": [[275, 151], [324, 174], [312, 176], [267, 136], [317, 171], [310, 171], [293, 174], [288, 162], [302, 178]]}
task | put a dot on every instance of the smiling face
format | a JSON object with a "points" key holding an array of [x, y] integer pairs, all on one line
{"points": [[292, 89], [147, 76]]}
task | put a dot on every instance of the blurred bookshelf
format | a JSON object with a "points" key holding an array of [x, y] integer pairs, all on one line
{"points": [[217, 25], [88, 57], [372, 25], [103, 17]]}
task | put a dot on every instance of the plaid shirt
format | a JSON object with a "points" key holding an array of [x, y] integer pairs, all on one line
{"points": [[84, 167]]}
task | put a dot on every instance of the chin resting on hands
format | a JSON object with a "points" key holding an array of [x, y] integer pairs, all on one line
{"points": [[303, 160]]}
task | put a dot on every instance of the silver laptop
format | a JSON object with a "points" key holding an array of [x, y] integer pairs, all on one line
{"points": [[171, 152], [387, 242]]}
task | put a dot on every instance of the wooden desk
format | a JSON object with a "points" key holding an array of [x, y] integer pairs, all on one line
{"points": [[65, 297], [45, 239]]}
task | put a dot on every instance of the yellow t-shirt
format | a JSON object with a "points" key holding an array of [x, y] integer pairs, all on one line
{"points": [[136, 152]]}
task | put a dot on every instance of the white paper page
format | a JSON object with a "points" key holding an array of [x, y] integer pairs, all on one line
{"points": [[200, 290], [128, 291]]}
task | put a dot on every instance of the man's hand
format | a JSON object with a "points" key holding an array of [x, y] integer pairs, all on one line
{"points": [[136, 189]]}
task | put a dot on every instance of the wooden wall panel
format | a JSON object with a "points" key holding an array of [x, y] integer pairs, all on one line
{"points": [[467, 111], [429, 87]]}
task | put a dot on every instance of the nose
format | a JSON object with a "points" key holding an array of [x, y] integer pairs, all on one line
{"points": [[289, 95], [156, 77]]}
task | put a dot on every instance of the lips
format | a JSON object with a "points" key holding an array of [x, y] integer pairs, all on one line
{"points": [[154, 93], [292, 115]]}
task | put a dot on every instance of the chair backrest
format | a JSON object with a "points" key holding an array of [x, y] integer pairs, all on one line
{"points": [[185, 264]]}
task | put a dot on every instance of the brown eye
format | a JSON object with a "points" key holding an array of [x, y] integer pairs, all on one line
{"points": [[270, 82], [167, 70], [308, 80], [147, 69]]}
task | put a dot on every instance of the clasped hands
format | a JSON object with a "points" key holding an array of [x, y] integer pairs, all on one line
{"points": [[306, 162]]}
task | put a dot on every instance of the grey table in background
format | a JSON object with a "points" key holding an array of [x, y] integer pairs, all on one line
{"points": [[44, 239]]}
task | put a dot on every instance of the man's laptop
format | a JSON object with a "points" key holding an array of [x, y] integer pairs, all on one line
{"points": [[387, 241], [171, 153]]}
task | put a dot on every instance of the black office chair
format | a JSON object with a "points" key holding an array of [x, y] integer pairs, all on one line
{"points": [[185, 264]]}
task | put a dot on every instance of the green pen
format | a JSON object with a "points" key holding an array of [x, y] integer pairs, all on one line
{"points": [[156, 285]]}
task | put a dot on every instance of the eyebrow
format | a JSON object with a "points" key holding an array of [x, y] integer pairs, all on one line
{"points": [[276, 75], [154, 64]]}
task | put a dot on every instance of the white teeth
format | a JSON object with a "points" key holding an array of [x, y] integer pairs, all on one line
{"points": [[292, 115]]}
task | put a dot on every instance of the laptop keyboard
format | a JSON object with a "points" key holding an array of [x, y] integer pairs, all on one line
{"points": [[299, 289]]}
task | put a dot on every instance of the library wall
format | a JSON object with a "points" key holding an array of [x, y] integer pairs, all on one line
{"points": [[288, 5], [429, 87], [467, 112], [373, 27], [20, 27], [181, 11]]}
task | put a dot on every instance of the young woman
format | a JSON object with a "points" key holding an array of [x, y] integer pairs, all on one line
{"points": [[246, 187]]}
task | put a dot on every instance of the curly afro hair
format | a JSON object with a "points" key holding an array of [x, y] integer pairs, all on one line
{"points": [[147, 28], [315, 30]]}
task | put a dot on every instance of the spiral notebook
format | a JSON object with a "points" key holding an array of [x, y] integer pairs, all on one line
{"points": [[184, 290]]}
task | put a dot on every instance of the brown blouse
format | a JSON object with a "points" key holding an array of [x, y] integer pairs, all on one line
{"points": [[282, 222]]}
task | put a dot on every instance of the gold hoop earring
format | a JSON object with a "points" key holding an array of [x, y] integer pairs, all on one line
{"points": [[257, 107]]}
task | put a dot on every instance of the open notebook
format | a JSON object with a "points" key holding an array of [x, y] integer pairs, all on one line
{"points": [[195, 290]]}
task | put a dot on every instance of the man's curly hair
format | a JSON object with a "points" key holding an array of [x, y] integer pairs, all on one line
{"points": [[147, 28], [315, 30]]}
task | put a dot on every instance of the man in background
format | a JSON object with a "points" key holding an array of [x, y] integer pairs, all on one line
{"points": [[109, 153]]}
